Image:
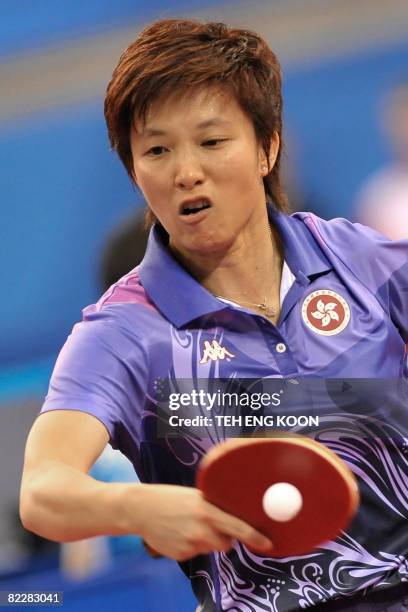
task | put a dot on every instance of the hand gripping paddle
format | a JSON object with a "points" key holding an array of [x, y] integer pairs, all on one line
{"points": [[293, 489]]}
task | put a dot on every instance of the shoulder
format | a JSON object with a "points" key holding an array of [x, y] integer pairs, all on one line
{"points": [[340, 233], [127, 290], [125, 305], [113, 326], [365, 252]]}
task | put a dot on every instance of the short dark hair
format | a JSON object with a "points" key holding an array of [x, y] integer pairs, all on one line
{"points": [[179, 54]]}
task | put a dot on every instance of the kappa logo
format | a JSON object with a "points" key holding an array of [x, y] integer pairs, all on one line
{"points": [[214, 351], [326, 312]]}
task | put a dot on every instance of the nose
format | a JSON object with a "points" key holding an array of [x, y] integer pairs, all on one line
{"points": [[188, 172]]}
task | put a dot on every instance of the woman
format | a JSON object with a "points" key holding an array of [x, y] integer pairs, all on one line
{"points": [[231, 286]]}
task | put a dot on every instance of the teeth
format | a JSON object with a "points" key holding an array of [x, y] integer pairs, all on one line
{"points": [[192, 208]]}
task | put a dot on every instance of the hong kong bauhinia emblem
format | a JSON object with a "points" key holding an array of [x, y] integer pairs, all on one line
{"points": [[326, 312]]}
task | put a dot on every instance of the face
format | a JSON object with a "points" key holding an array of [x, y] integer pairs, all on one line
{"points": [[198, 163]]}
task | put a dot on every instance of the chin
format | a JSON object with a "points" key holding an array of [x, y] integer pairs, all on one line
{"points": [[210, 245]]}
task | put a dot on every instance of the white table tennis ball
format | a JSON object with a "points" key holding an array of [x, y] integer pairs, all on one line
{"points": [[282, 501]]}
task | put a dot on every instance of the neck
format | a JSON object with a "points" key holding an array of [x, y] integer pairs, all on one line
{"points": [[249, 271]]}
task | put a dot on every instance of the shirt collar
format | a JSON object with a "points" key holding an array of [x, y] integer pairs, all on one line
{"points": [[182, 299], [172, 289], [301, 250]]}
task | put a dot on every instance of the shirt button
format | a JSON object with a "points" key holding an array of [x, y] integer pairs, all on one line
{"points": [[280, 347]]}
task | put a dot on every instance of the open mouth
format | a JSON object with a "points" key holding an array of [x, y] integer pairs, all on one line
{"points": [[192, 208]]}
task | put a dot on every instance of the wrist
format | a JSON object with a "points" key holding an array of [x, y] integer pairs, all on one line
{"points": [[127, 506]]}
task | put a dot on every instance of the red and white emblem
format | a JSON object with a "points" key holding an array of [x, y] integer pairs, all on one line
{"points": [[326, 312]]}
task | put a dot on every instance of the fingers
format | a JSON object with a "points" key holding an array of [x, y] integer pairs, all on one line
{"points": [[200, 542], [186, 525], [216, 541], [205, 538], [239, 530]]}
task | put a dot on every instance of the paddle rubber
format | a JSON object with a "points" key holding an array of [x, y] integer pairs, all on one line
{"points": [[235, 474]]}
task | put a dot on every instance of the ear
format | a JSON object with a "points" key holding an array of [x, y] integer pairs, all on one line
{"points": [[132, 138], [273, 154]]}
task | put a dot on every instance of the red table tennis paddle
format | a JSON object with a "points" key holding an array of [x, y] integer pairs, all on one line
{"points": [[257, 478]]}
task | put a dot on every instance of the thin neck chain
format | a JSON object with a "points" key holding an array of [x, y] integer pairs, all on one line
{"points": [[268, 309]]}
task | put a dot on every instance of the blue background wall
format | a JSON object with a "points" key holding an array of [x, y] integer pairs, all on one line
{"points": [[332, 108], [29, 25]]}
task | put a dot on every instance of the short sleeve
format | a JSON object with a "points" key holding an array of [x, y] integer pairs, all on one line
{"points": [[102, 370]]}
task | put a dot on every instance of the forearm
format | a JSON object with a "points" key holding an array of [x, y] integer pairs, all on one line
{"points": [[63, 504]]}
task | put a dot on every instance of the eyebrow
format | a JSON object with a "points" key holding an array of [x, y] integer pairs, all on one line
{"points": [[215, 122]]}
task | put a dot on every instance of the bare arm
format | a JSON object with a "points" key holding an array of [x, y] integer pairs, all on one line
{"points": [[61, 502], [58, 499]]}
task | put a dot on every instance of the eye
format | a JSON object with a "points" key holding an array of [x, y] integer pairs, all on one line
{"points": [[211, 142], [155, 151]]}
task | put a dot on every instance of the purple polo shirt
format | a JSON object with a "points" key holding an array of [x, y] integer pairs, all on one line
{"points": [[344, 317]]}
